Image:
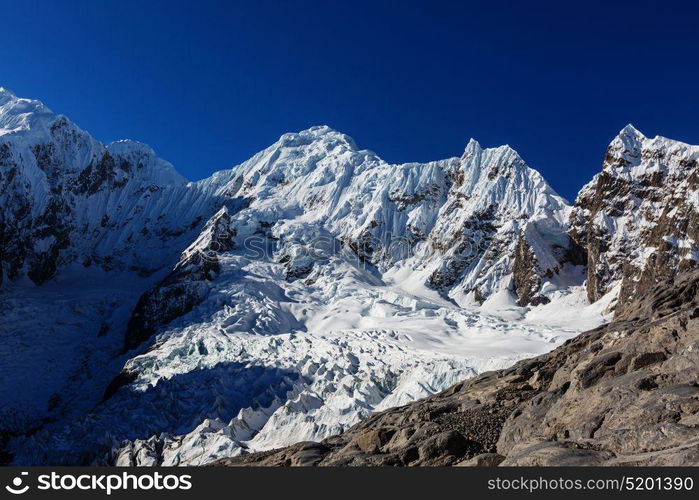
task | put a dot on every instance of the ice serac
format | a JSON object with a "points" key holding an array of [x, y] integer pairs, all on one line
{"points": [[68, 199], [638, 219]]}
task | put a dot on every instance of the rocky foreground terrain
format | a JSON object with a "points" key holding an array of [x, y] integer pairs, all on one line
{"points": [[626, 393]]}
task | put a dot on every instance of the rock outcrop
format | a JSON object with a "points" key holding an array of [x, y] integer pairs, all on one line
{"points": [[638, 219], [623, 394], [186, 285]]}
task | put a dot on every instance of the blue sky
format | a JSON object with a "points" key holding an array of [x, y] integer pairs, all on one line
{"points": [[208, 84]]}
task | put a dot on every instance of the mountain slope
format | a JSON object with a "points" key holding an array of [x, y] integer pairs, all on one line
{"points": [[622, 394], [68, 199]]}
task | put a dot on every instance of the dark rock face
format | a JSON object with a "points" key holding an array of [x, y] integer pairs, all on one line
{"points": [[622, 394], [123, 378], [638, 220], [475, 238], [529, 272], [173, 297], [526, 275], [186, 286], [32, 242]]}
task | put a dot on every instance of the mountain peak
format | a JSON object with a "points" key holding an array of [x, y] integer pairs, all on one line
{"points": [[6, 93], [318, 133], [17, 113], [631, 131], [9, 99], [627, 146], [472, 147]]}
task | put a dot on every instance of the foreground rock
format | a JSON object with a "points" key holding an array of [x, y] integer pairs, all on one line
{"points": [[623, 394]]}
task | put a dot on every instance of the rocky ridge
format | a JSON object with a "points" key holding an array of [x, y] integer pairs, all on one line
{"points": [[638, 219]]}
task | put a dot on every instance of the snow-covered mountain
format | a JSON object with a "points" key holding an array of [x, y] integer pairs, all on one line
{"points": [[73, 200], [178, 322], [68, 199], [314, 198]]}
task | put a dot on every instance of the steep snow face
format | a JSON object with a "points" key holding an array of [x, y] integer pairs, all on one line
{"points": [[456, 221], [638, 219], [69, 199]]}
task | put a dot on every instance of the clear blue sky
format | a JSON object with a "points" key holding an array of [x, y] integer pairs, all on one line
{"points": [[207, 84]]}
